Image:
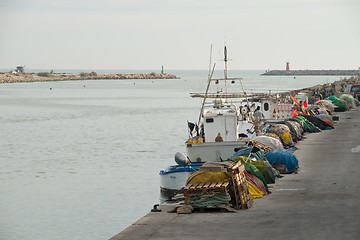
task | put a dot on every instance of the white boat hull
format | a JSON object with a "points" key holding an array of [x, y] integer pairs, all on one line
{"points": [[175, 176], [212, 151], [174, 181]]}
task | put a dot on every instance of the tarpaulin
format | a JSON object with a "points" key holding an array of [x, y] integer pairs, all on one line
{"points": [[283, 156], [255, 193]]}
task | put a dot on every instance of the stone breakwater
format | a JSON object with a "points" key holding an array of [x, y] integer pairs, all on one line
{"points": [[45, 76], [312, 73], [329, 89]]}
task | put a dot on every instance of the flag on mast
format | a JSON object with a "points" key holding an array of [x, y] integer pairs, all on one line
{"points": [[295, 101]]}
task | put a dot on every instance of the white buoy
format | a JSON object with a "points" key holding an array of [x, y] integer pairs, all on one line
{"points": [[181, 159]]}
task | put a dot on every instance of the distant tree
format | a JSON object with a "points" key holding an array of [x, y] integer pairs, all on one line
{"points": [[84, 74], [44, 74]]}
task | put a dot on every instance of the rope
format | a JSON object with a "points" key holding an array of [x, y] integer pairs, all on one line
{"points": [[209, 200]]}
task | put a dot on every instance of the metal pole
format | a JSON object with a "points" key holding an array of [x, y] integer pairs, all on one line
{"points": [[206, 92], [225, 72]]}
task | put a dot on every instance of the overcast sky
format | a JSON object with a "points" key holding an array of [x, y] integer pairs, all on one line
{"points": [[145, 34]]}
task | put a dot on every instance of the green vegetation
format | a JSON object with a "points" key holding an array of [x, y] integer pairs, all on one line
{"points": [[44, 74], [84, 74]]}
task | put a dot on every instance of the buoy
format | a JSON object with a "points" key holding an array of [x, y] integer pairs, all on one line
{"points": [[181, 159]]}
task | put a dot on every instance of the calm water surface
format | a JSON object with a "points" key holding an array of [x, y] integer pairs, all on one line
{"points": [[80, 159]]}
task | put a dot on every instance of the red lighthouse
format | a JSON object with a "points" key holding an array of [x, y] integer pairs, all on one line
{"points": [[287, 66]]}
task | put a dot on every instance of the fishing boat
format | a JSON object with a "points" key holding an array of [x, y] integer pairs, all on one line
{"points": [[226, 124], [174, 177], [225, 120]]}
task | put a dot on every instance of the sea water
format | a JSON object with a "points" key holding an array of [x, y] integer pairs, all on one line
{"points": [[81, 159]]}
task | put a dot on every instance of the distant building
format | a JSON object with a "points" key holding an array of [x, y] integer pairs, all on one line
{"points": [[20, 69]]}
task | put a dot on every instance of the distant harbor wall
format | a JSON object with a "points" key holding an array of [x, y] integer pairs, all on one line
{"points": [[312, 73], [46, 76]]}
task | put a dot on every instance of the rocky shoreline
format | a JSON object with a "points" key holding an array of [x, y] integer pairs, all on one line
{"points": [[46, 76], [336, 88]]}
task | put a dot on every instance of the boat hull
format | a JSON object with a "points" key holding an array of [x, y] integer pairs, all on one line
{"points": [[212, 151], [175, 177]]}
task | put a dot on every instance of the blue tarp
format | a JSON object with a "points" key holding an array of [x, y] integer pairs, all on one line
{"points": [[283, 156]]}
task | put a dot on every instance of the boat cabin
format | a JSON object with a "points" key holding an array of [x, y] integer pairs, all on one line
{"points": [[220, 119], [274, 110]]}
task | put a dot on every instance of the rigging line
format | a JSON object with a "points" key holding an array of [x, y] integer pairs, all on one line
{"points": [[206, 92], [242, 86], [210, 62], [207, 88]]}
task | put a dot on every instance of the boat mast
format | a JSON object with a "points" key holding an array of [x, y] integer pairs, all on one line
{"points": [[225, 71]]}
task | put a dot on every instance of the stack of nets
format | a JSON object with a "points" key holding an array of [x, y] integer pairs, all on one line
{"points": [[340, 104], [349, 99], [307, 126], [328, 105], [283, 132], [206, 200], [296, 130]]}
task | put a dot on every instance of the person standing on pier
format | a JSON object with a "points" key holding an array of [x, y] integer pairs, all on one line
{"points": [[258, 114]]}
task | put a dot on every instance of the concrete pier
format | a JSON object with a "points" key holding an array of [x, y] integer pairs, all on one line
{"points": [[321, 202]]}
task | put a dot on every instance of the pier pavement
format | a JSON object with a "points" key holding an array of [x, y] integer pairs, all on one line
{"points": [[321, 202]]}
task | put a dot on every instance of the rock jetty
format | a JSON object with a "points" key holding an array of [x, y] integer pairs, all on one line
{"points": [[335, 88], [312, 73], [46, 76]]}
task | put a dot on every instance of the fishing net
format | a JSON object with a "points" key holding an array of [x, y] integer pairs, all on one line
{"points": [[318, 122], [307, 126], [340, 104], [256, 182], [274, 143], [260, 165], [326, 104], [295, 130], [273, 135], [349, 99], [259, 155], [206, 200], [283, 131], [208, 177]]}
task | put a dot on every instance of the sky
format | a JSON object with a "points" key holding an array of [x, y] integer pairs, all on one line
{"points": [[146, 34]]}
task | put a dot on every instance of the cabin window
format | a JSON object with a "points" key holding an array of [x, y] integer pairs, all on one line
{"points": [[209, 120], [266, 106]]}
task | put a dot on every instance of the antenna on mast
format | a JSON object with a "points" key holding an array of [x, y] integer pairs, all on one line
{"points": [[225, 71], [225, 60]]}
